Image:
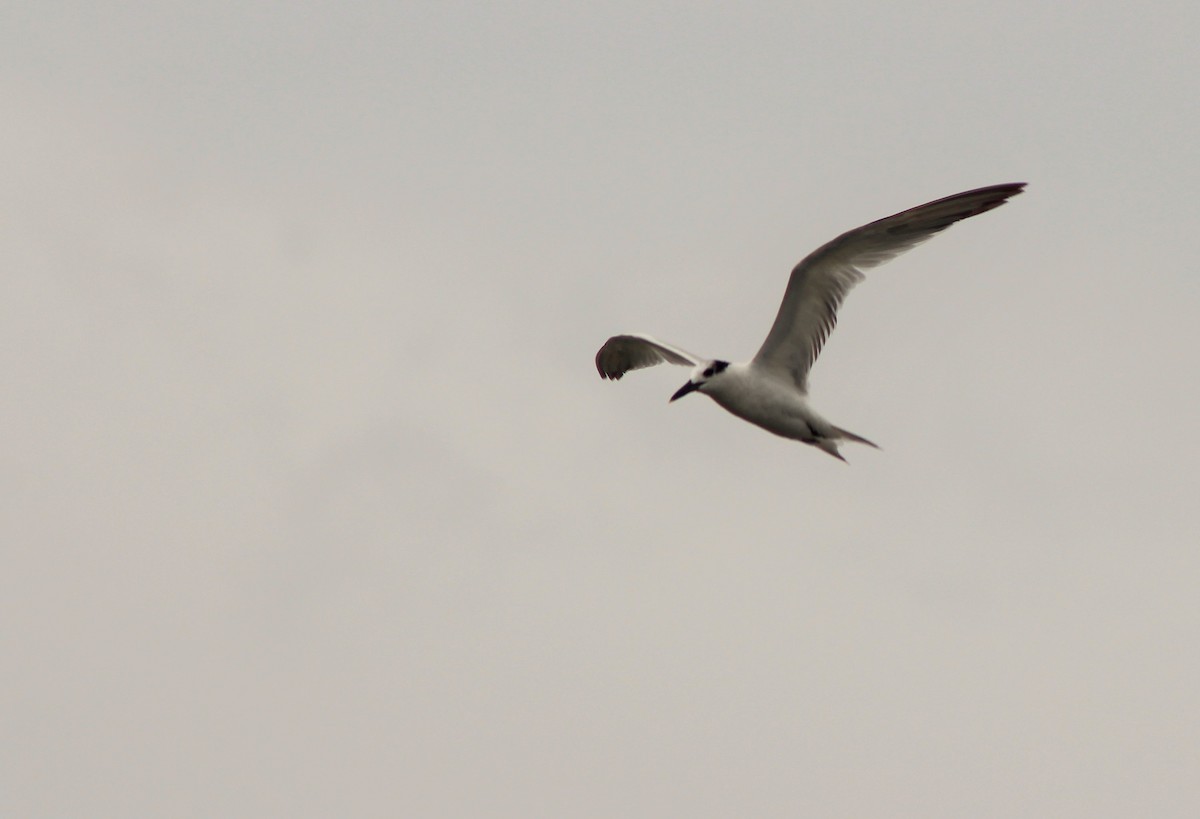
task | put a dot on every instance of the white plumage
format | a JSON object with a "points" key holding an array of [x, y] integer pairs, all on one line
{"points": [[771, 390]]}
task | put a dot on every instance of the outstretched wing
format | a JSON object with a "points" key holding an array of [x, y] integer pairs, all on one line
{"points": [[620, 354], [821, 281]]}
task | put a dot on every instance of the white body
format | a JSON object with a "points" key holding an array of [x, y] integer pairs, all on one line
{"points": [[770, 400], [767, 400]]}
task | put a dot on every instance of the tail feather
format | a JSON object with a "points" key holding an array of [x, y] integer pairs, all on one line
{"points": [[827, 445], [850, 436]]}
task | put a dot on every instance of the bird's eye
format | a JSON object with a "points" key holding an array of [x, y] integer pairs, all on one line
{"points": [[708, 373]]}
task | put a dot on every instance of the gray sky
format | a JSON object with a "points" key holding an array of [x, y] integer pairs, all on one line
{"points": [[313, 504]]}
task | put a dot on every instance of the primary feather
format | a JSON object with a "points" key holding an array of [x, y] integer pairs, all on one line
{"points": [[620, 354]]}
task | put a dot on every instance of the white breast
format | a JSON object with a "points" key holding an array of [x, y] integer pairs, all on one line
{"points": [[767, 400]]}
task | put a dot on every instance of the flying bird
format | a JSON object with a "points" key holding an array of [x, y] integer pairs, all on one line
{"points": [[771, 390]]}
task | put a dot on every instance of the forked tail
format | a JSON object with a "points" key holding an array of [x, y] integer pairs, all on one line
{"points": [[830, 443]]}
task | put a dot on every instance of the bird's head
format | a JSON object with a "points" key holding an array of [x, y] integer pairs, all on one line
{"points": [[701, 377]]}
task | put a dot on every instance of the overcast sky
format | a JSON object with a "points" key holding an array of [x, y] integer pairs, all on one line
{"points": [[313, 505]]}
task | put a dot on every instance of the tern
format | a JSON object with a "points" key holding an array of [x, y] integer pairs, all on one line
{"points": [[771, 390]]}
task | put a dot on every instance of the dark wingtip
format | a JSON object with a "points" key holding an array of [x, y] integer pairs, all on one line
{"points": [[1005, 191], [600, 366], [936, 217]]}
